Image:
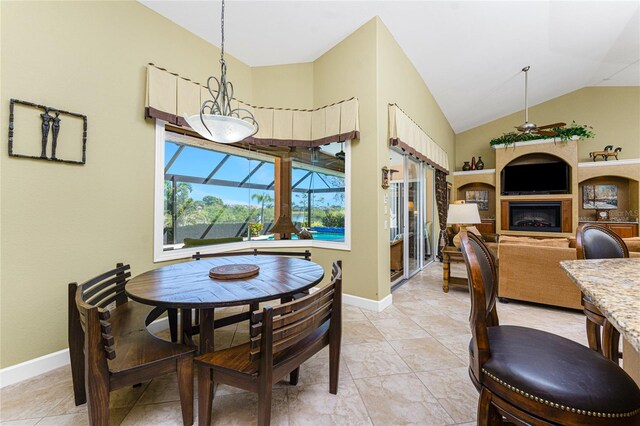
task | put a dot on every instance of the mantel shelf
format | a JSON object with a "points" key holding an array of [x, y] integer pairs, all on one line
{"points": [[475, 172], [608, 163], [532, 142]]}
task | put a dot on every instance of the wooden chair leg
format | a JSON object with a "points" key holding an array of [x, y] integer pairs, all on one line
{"points": [[293, 376], [173, 324], [98, 401], [185, 388], [593, 335], [205, 395], [488, 414], [334, 367], [611, 342], [264, 403], [76, 354]]}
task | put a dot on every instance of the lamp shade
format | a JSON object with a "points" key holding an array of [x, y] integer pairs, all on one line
{"points": [[221, 128], [463, 214]]}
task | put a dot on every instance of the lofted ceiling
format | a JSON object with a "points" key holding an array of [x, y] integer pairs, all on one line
{"points": [[469, 53]]}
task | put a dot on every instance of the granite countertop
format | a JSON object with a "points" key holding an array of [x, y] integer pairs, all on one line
{"points": [[613, 285]]}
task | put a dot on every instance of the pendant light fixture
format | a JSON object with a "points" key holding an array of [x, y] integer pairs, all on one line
{"points": [[217, 121]]}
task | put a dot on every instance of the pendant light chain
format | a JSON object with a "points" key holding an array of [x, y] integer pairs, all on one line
{"points": [[218, 121], [222, 38]]}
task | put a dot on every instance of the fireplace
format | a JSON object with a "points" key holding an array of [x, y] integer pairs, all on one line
{"points": [[535, 216]]}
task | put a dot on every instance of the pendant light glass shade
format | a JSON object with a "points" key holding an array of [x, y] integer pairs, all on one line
{"points": [[217, 121], [221, 128]]}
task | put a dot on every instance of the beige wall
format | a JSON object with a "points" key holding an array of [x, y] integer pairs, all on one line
{"points": [[399, 82], [284, 86], [612, 111], [346, 70], [63, 223]]}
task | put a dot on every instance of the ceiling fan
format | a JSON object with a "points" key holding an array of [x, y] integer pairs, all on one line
{"points": [[531, 128]]}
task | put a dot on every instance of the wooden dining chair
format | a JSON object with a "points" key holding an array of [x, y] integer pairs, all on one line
{"points": [[110, 347], [282, 338], [595, 241], [534, 377]]}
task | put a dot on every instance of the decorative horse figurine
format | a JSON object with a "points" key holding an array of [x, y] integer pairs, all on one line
{"points": [[606, 153]]}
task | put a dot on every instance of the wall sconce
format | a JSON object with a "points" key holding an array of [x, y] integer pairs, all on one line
{"points": [[386, 175]]}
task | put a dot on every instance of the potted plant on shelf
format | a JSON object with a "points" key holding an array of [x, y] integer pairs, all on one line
{"points": [[572, 132]]}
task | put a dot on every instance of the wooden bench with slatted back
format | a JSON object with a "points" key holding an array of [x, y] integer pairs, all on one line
{"points": [[111, 348], [282, 338]]}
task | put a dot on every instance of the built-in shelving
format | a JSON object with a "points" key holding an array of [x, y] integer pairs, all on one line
{"points": [[475, 172]]}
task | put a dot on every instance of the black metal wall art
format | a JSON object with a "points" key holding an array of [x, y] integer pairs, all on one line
{"points": [[51, 119]]}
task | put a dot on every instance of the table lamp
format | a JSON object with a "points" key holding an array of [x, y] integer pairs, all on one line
{"points": [[462, 214]]}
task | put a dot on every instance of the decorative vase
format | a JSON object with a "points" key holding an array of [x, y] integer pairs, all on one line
{"points": [[473, 163], [466, 167], [480, 164]]}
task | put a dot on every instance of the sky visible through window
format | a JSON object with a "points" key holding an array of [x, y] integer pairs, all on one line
{"points": [[199, 162]]}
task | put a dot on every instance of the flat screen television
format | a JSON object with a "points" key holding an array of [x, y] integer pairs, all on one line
{"points": [[536, 178]]}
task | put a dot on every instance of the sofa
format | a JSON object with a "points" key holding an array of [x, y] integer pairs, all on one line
{"points": [[530, 270]]}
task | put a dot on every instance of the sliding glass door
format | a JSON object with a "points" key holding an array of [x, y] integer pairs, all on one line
{"points": [[411, 225], [396, 218], [413, 216]]}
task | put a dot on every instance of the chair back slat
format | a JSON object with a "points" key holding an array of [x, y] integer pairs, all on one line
{"points": [[292, 322], [306, 255], [294, 334], [299, 325], [297, 305], [303, 327], [118, 296], [199, 255], [289, 317], [94, 297], [95, 292], [120, 268]]}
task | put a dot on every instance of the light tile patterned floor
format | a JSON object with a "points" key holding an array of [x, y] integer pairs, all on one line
{"points": [[406, 365]]}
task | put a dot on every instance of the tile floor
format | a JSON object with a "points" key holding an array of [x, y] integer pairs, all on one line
{"points": [[405, 365]]}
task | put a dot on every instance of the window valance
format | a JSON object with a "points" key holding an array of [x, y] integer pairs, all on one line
{"points": [[170, 96], [407, 135]]}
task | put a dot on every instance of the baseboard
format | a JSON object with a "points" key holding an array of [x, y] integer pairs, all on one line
{"points": [[33, 367], [37, 366], [369, 304]]}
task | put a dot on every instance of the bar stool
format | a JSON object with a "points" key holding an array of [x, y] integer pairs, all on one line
{"points": [[599, 242], [533, 377]]}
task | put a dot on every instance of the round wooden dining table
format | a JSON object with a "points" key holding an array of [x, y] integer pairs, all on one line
{"points": [[187, 286]]}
